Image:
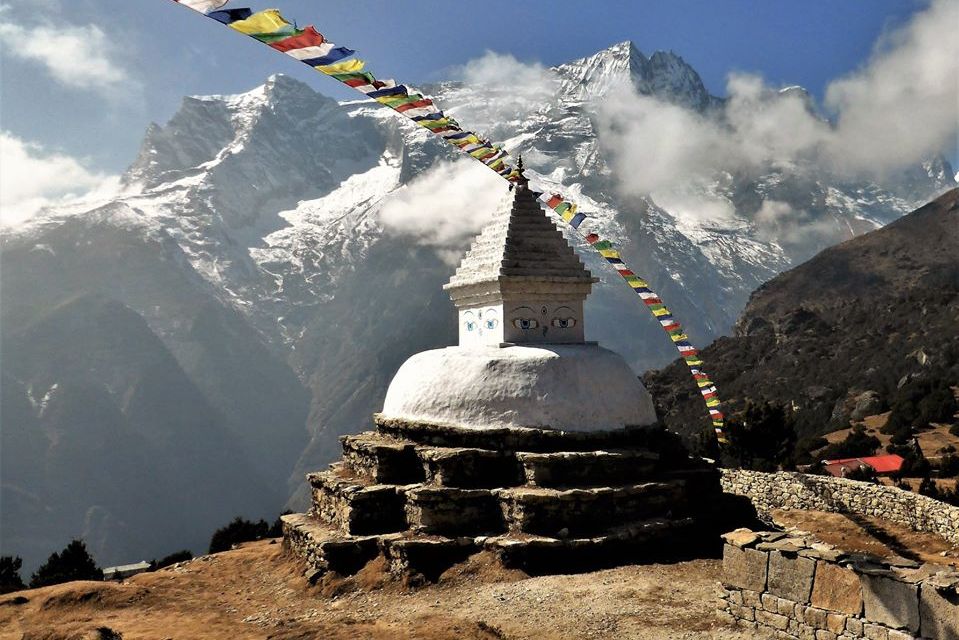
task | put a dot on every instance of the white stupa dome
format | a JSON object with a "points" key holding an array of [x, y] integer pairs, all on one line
{"points": [[522, 359], [569, 387]]}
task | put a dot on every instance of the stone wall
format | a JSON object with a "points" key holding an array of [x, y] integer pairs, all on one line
{"points": [[787, 490], [794, 588]]}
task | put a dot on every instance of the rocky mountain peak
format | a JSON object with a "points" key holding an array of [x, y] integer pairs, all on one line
{"points": [[664, 74]]}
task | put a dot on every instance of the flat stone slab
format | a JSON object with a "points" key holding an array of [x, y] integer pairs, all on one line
{"points": [[651, 438], [452, 511], [587, 468], [584, 512], [939, 611], [745, 568], [837, 589], [469, 467], [891, 602], [382, 459], [790, 577]]}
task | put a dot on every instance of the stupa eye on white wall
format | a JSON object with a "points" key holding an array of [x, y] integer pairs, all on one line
{"points": [[522, 359]]}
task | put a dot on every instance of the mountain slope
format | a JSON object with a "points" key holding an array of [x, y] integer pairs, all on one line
{"points": [[132, 455], [858, 316]]}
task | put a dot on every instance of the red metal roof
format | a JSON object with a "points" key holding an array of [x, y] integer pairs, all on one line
{"points": [[889, 463]]}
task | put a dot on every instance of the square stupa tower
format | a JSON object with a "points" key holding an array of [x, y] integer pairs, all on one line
{"points": [[520, 282]]}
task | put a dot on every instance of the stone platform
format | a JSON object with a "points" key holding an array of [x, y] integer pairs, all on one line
{"points": [[426, 496]]}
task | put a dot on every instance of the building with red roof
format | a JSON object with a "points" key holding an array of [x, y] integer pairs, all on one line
{"points": [[881, 465]]}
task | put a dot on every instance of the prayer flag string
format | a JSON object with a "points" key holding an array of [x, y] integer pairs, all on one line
{"points": [[312, 48]]}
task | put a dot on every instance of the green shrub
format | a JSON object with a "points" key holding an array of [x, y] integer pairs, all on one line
{"points": [[173, 558], [857, 444], [73, 563], [761, 437], [10, 579], [238, 531]]}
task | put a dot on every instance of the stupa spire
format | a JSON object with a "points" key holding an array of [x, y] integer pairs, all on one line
{"points": [[520, 282]]}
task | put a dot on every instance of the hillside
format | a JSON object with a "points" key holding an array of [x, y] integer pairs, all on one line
{"points": [[862, 315], [256, 592]]}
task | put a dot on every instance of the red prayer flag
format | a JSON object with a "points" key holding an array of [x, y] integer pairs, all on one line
{"points": [[309, 38]]}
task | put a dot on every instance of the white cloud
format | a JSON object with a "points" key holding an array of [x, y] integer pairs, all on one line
{"points": [[901, 108], [79, 57], [905, 103], [511, 89], [446, 205], [32, 178]]}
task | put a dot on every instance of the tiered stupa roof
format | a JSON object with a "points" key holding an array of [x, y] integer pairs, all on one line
{"points": [[521, 246]]}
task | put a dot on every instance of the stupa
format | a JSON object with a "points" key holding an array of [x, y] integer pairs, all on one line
{"points": [[524, 440]]}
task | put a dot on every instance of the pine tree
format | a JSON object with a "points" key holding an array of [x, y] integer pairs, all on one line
{"points": [[10, 579], [73, 563]]}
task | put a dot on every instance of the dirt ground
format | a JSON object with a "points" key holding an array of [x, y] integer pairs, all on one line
{"points": [[872, 535], [256, 592]]}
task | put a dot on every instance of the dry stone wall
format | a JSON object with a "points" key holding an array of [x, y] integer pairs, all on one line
{"points": [[788, 490], [789, 587]]}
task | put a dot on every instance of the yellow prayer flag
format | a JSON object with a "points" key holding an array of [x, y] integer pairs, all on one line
{"points": [[347, 66], [609, 253], [267, 21]]}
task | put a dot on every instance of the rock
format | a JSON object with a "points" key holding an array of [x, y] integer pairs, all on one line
{"points": [[865, 404], [890, 602], [939, 611], [744, 568], [791, 577], [837, 589], [741, 537]]}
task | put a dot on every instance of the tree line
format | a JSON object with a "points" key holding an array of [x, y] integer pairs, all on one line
{"points": [[74, 562]]}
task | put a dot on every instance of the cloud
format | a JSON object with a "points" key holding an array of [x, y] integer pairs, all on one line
{"points": [[79, 57], [901, 108], [511, 91], [905, 102], [445, 206], [32, 178]]}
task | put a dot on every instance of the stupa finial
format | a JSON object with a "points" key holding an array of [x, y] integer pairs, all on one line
{"points": [[523, 181]]}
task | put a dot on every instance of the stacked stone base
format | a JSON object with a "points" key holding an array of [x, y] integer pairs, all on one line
{"points": [[793, 588], [425, 497]]}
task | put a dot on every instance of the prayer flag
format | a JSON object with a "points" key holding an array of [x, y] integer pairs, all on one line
{"points": [[228, 16], [269, 21], [308, 37], [202, 5]]}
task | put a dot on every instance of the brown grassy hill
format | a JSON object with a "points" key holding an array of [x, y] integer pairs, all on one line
{"points": [[256, 592], [858, 316]]}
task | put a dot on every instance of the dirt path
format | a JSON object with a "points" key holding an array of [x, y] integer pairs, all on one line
{"points": [[256, 593]]}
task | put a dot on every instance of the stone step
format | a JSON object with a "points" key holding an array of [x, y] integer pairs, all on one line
{"points": [[325, 549], [423, 558], [587, 468], [586, 512], [354, 505], [651, 539], [528, 439], [469, 468], [453, 512], [420, 558], [382, 459]]}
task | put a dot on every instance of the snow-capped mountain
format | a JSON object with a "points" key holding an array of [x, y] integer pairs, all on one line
{"points": [[249, 240]]}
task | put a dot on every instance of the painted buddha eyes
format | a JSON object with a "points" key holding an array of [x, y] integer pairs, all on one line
{"points": [[564, 323], [525, 323], [473, 323]]}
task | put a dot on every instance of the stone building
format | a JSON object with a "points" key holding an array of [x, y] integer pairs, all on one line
{"points": [[524, 440]]}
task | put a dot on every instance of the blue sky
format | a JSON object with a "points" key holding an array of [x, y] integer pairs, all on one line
{"points": [[90, 103]]}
